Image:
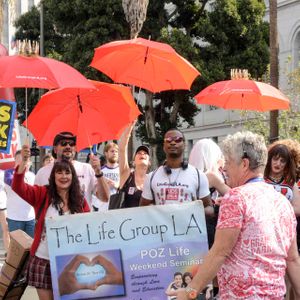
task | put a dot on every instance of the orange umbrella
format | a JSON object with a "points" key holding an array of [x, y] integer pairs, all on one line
{"points": [[243, 94], [93, 116], [147, 64]]}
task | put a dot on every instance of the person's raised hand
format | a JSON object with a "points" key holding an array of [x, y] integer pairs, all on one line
{"points": [[95, 163], [25, 159], [25, 153], [113, 275], [67, 281]]}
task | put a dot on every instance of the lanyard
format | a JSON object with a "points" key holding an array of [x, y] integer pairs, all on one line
{"points": [[254, 179]]}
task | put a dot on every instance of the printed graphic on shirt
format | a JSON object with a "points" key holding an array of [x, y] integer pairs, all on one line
{"points": [[282, 187], [267, 224]]}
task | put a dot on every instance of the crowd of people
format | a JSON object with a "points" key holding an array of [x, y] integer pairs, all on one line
{"points": [[250, 195]]}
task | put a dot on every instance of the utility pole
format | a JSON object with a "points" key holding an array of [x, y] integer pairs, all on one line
{"points": [[42, 53]]}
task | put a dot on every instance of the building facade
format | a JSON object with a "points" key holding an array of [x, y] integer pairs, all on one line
{"points": [[217, 123], [12, 9]]}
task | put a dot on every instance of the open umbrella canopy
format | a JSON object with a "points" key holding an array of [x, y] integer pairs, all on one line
{"points": [[20, 71], [147, 64], [243, 94], [93, 116]]}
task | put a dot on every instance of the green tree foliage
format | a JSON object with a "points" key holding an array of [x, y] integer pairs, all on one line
{"points": [[234, 35], [288, 121], [28, 27], [231, 34]]}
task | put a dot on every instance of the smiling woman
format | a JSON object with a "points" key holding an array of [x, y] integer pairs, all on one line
{"points": [[62, 196]]}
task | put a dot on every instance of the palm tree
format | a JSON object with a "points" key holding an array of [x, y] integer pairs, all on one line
{"points": [[135, 12], [274, 74]]}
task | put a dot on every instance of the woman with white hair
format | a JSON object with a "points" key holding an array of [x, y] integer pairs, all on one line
{"points": [[255, 241], [206, 155]]}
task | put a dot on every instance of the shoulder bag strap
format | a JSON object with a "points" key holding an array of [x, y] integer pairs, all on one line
{"points": [[126, 182], [151, 179]]}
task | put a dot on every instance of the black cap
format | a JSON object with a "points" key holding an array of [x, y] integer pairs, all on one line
{"points": [[64, 136], [144, 148]]}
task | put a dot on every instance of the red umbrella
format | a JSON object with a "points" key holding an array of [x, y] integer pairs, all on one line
{"points": [[147, 64], [243, 94], [93, 115], [20, 71]]}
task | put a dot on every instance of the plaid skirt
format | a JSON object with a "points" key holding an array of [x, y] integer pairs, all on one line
{"points": [[38, 273]]}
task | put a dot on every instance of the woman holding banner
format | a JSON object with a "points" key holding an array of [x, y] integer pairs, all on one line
{"points": [[62, 196]]}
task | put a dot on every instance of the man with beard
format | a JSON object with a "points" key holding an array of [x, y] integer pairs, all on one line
{"points": [[110, 172], [89, 175], [175, 181]]}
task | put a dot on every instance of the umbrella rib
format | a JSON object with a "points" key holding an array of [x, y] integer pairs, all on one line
{"points": [[79, 103]]}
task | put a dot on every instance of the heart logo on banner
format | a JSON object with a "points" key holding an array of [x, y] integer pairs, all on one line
{"points": [[89, 274]]}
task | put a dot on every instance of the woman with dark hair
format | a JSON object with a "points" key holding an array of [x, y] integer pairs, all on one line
{"points": [[62, 196], [281, 171]]}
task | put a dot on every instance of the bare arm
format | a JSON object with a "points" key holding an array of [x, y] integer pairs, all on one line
{"points": [[146, 202], [225, 240], [207, 201], [293, 268], [123, 156], [217, 182]]}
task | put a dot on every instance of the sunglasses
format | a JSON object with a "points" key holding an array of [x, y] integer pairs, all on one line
{"points": [[65, 143], [176, 139]]}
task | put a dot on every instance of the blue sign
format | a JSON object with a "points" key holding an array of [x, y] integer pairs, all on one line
{"points": [[128, 253], [7, 116]]}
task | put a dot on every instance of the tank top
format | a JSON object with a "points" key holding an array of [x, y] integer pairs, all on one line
{"points": [[132, 193]]}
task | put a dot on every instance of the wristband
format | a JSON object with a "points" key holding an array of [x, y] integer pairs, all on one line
{"points": [[99, 175]]}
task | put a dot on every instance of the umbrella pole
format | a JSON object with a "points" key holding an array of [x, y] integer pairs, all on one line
{"points": [[86, 132], [26, 116]]}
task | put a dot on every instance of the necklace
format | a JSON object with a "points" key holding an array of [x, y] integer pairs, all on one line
{"points": [[174, 182], [276, 179]]}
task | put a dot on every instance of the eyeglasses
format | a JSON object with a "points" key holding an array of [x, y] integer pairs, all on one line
{"points": [[176, 139], [65, 143]]}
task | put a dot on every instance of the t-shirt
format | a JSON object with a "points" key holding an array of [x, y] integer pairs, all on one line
{"points": [[256, 267], [3, 196], [110, 173], [42, 250], [179, 186], [17, 208], [84, 171]]}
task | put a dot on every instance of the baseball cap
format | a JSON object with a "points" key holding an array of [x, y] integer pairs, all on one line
{"points": [[64, 136], [144, 148]]}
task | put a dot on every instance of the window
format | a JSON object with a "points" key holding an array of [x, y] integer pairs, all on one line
{"points": [[297, 50]]}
